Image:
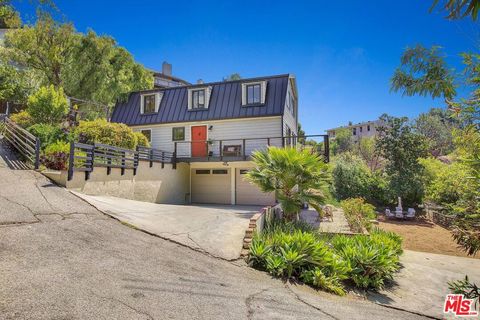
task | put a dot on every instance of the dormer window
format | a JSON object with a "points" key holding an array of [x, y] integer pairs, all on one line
{"points": [[150, 102], [198, 99], [253, 93]]}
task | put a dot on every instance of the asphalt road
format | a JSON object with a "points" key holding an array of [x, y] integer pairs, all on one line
{"points": [[62, 259]]}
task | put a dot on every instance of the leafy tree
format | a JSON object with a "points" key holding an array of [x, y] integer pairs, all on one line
{"points": [[48, 105], [401, 147], [233, 77], [458, 9], [365, 148], [424, 72], [9, 17], [296, 176], [88, 67], [15, 85], [343, 141], [437, 126]]}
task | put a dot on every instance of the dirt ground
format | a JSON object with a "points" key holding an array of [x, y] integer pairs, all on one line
{"points": [[424, 236]]}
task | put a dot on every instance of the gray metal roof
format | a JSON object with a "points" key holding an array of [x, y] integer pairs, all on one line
{"points": [[225, 103]]}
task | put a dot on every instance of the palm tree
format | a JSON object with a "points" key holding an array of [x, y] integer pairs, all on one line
{"points": [[296, 176]]}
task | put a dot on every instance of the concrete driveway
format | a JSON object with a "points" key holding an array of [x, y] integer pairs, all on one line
{"points": [[422, 283], [214, 229]]}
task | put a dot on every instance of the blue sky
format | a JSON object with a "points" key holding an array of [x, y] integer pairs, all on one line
{"points": [[343, 53]]}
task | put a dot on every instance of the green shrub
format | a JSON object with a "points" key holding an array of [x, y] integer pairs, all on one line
{"points": [[55, 156], [22, 118], [326, 262], [358, 213], [372, 261], [101, 131], [141, 139], [445, 183], [48, 105], [352, 178], [47, 133]]}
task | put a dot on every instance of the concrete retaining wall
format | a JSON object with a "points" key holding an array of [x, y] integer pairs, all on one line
{"points": [[155, 184]]}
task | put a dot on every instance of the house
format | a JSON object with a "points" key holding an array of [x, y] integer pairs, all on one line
{"points": [[165, 79], [360, 130], [214, 128]]}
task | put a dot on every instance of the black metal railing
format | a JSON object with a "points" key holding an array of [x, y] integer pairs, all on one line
{"points": [[243, 148], [155, 155], [23, 141], [85, 157]]}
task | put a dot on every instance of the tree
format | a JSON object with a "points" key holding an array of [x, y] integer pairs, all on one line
{"points": [[48, 105], [15, 85], [365, 148], [401, 147], [437, 125], [233, 77], [88, 67], [424, 72], [343, 141], [458, 9], [296, 176], [9, 17]]}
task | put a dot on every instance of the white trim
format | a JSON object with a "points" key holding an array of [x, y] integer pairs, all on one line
{"points": [[207, 94], [233, 187], [158, 100], [263, 91]]}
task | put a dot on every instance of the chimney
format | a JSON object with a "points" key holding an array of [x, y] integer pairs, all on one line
{"points": [[199, 81], [166, 68]]}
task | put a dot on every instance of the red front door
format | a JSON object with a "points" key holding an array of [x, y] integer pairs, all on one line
{"points": [[199, 149]]}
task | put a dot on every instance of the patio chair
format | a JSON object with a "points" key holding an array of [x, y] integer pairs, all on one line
{"points": [[410, 213], [389, 214], [399, 213]]}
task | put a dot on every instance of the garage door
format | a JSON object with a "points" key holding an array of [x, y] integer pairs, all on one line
{"points": [[211, 186], [250, 194]]}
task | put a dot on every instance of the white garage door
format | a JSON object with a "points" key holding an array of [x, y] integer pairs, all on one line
{"points": [[250, 194], [211, 186]]}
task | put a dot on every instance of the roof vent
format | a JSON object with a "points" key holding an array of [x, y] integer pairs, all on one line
{"points": [[166, 68], [199, 81]]}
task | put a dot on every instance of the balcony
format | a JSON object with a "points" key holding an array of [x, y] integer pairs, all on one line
{"points": [[227, 150]]}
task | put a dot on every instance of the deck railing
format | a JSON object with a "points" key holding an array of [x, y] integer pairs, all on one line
{"points": [[23, 141], [85, 157], [243, 148]]}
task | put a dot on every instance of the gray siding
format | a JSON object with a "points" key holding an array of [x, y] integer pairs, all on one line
{"points": [[223, 129], [288, 118]]}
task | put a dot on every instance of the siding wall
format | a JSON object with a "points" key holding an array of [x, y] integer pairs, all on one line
{"points": [[221, 130], [288, 119]]}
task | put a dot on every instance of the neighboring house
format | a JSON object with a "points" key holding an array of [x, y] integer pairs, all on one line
{"points": [[215, 127], [359, 130], [165, 79]]}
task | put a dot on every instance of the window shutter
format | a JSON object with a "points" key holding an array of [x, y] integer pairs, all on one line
{"points": [[208, 91], [158, 100], [141, 104], [264, 91], [189, 98], [244, 94]]}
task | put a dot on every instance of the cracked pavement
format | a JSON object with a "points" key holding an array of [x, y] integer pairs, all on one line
{"points": [[63, 259]]}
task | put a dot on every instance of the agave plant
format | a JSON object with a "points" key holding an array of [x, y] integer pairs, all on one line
{"points": [[296, 176]]}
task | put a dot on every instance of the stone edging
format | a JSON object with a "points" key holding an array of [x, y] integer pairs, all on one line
{"points": [[252, 228]]}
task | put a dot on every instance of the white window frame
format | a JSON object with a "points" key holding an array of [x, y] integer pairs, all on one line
{"points": [[158, 100], [263, 91], [208, 92]]}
